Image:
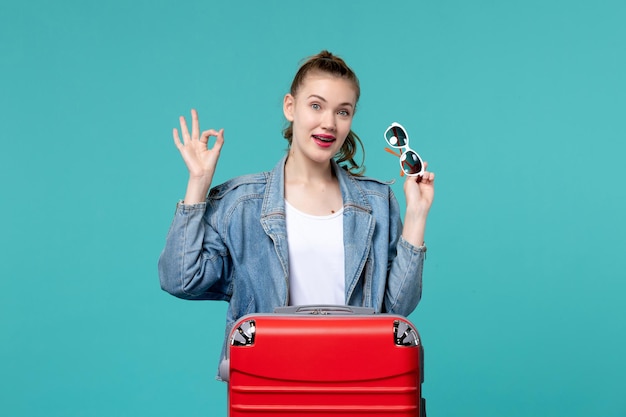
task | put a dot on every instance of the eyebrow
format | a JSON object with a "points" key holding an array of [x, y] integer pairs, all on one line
{"points": [[325, 101]]}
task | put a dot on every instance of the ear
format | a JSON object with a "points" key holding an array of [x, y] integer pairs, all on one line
{"points": [[288, 104]]}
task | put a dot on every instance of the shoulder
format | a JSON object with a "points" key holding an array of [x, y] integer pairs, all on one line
{"points": [[367, 193], [241, 186], [361, 180], [371, 185], [372, 182], [380, 197]]}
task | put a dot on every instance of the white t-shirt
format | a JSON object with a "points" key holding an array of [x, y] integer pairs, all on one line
{"points": [[316, 258]]}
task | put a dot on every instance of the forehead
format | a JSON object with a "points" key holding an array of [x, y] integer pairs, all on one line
{"points": [[330, 87]]}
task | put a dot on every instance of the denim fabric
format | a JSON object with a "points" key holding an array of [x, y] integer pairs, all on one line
{"points": [[233, 247]]}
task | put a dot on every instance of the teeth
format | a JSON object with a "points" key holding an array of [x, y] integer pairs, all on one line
{"points": [[322, 139]]}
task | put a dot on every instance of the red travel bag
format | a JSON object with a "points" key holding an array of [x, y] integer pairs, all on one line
{"points": [[324, 361]]}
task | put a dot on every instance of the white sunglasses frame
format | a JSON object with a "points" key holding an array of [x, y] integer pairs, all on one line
{"points": [[404, 150]]}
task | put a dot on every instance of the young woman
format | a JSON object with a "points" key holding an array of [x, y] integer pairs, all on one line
{"points": [[312, 230]]}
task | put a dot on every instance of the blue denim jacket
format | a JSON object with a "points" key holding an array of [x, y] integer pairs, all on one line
{"points": [[233, 247]]}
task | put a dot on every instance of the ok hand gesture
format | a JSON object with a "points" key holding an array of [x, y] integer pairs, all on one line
{"points": [[201, 160]]}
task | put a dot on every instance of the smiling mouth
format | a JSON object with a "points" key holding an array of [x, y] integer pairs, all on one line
{"points": [[327, 139]]}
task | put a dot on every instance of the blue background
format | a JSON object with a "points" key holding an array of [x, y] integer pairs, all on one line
{"points": [[518, 106]]}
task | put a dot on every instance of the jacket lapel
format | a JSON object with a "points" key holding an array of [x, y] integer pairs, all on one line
{"points": [[358, 229], [273, 216]]}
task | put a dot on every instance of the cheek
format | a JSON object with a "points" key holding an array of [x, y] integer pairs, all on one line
{"points": [[343, 132], [306, 119], [345, 126]]}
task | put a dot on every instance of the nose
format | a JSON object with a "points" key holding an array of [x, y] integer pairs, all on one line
{"points": [[328, 121]]}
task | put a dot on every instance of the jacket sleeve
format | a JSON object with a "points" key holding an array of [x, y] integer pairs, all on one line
{"points": [[194, 264], [406, 261]]}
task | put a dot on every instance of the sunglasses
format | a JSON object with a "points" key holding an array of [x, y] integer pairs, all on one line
{"points": [[411, 163]]}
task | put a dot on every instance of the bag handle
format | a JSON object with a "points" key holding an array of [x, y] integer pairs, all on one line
{"points": [[324, 309]]}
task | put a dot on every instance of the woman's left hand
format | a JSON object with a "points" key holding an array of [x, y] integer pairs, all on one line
{"points": [[420, 191]]}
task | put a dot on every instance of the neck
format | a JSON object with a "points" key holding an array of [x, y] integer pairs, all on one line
{"points": [[304, 170]]}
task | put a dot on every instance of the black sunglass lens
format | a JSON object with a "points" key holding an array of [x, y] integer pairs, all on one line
{"points": [[411, 163], [396, 136]]}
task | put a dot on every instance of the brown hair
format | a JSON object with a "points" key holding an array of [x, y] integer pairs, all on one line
{"points": [[326, 62]]}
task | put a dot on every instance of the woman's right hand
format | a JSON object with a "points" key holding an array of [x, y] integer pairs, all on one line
{"points": [[201, 160]]}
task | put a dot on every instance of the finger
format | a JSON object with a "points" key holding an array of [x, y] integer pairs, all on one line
{"points": [[195, 125], [176, 138], [207, 134], [183, 129], [428, 177], [219, 142]]}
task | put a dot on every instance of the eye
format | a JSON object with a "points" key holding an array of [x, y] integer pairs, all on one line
{"points": [[315, 106], [344, 113]]}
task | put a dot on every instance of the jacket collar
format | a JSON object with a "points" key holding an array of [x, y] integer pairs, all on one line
{"points": [[274, 200]]}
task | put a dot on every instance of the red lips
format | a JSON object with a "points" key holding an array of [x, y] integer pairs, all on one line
{"points": [[324, 140]]}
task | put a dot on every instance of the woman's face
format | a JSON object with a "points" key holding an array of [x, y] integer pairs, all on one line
{"points": [[321, 113]]}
